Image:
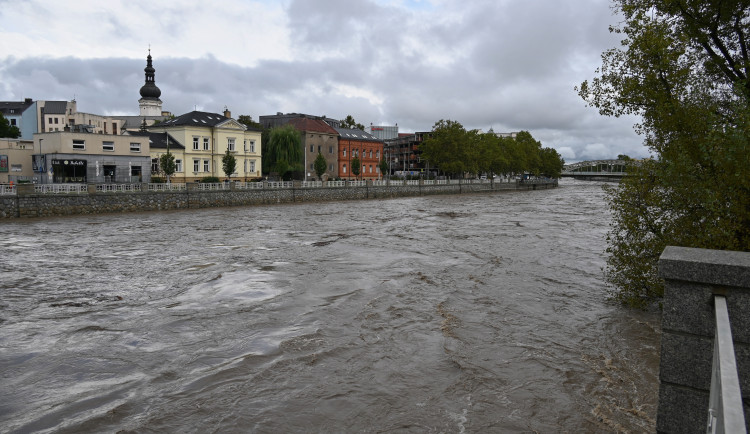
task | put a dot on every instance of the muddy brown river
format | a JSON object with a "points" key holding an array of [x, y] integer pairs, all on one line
{"points": [[442, 314]]}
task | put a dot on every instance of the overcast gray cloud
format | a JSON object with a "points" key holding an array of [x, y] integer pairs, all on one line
{"points": [[506, 65]]}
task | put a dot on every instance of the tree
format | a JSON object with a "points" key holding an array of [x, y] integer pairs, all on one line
{"points": [[349, 122], [623, 157], [320, 166], [383, 166], [167, 164], [445, 148], [355, 166], [249, 122], [228, 163], [283, 151], [683, 67], [7, 130]]}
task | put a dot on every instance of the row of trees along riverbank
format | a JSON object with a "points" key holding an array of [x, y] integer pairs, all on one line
{"points": [[454, 150], [684, 67]]}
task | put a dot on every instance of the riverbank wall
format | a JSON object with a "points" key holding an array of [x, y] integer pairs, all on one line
{"points": [[27, 203]]}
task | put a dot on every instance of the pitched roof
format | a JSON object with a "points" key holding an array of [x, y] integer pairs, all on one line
{"points": [[202, 119], [55, 107], [158, 140], [312, 125], [356, 134], [14, 107]]}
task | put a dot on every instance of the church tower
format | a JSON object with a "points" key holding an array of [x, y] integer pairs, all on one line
{"points": [[150, 103]]}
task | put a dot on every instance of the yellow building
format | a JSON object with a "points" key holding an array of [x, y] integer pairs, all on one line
{"points": [[206, 138], [15, 160]]}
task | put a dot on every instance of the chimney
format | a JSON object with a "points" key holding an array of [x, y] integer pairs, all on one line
{"points": [[227, 113]]}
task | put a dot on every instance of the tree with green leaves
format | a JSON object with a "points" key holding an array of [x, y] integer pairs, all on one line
{"points": [[623, 157], [445, 148], [249, 122], [349, 122], [683, 67], [167, 164], [320, 165], [356, 165], [283, 152], [228, 164], [7, 130], [383, 166]]}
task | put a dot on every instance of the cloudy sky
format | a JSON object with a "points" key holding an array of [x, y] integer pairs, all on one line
{"points": [[509, 65]]}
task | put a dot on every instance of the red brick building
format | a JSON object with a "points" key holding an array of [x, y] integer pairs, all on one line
{"points": [[357, 143]]}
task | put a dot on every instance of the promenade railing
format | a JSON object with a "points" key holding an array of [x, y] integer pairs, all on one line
{"points": [[725, 412]]}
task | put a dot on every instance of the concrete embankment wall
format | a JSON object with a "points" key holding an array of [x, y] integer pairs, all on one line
{"points": [[29, 204], [693, 277]]}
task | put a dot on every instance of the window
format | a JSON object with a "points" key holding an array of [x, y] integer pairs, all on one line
{"points": [[135, 147], [206, 167], [252, 166], [195, 143], [319, 149], [344, 152], [312, 148], [178, 165], [230, 144], [370, 153], [252, 147], [330, 149], [16, 168], [196, 166], [13, 122], [56, 120], [344, 168], [370, 168], [205, 144], [108, 146], [377, 155], [154, 165], [79, 144], [330, 167]]}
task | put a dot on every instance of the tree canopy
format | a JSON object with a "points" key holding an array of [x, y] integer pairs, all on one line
{"points": [[7, 130], [320, 166], [683, 67], [283, 151], [228, 163], [349, 122], [456, 151], [249, 122], [167, 164]]}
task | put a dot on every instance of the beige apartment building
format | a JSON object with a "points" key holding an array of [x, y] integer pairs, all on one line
{"points": [[75, 157], [15, 160]]}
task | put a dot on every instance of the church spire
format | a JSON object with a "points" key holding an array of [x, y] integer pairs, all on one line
{"points": [[150, 103]]}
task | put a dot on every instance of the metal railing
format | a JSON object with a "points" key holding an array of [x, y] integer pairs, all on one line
{"points": [[248, 185], [115, 188], [725, 411], [60, 188], [173, 186]]}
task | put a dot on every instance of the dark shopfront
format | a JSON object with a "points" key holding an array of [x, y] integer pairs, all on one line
{"points": [[68, 171]]}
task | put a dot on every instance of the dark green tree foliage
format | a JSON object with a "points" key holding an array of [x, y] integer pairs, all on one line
{"points": [[249, 122], [283, 151], [355, 166], [167, 164], [228, 163], [6, 130], [350, 123], [457, 151], [320, 166], [383, 165], [683, 66]]}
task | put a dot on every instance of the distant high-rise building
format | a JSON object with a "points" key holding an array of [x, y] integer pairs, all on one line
{"points": [[383, 132]]}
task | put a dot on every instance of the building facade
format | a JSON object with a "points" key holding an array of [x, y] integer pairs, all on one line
{"points": [[15, 160], [206, 138], [317, 137], [76, 157], [383, 132], [404, 156], [365, 147]]}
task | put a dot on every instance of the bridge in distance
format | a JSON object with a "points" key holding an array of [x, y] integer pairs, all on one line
{"points": [[596, 169]]}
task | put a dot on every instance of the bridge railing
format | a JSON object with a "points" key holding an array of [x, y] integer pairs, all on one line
{"points": [[701, 376], [725, 413]]}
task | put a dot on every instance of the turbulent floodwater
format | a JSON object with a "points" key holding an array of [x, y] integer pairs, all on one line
{"points": [[472, 313]]}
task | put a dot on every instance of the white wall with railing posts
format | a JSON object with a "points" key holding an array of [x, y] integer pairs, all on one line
{"points": [[237, 185]]}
